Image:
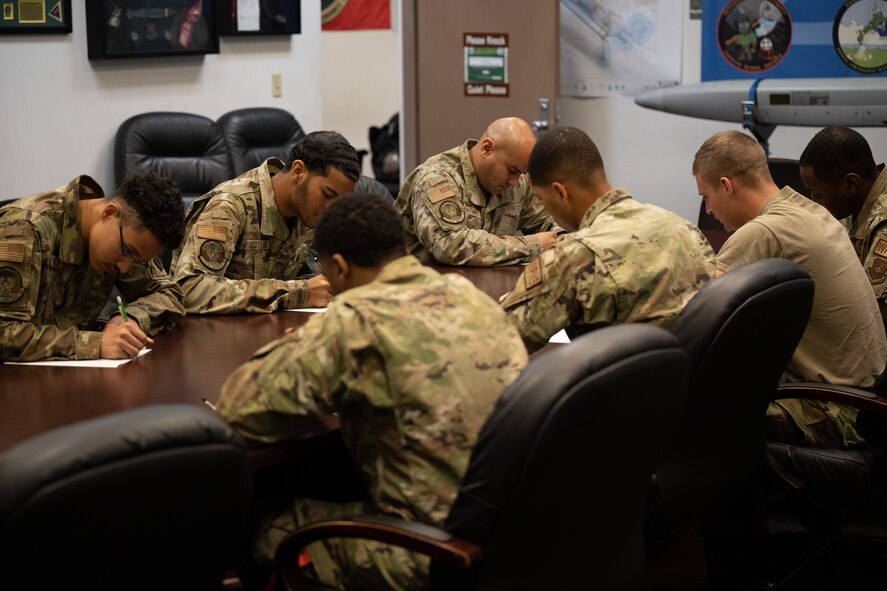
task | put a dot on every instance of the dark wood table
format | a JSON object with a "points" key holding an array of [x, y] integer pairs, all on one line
{"points": [[187, 364]]}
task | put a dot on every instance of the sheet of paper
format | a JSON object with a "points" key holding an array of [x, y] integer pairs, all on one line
{"points": [[559, 337], [247, 15], [80, 362], [308, 310]]}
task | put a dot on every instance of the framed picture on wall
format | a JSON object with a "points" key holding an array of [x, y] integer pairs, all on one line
{"points": [[151, 28], [35, 16], [261, 17]]}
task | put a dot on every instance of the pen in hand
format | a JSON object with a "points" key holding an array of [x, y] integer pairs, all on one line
{"points": [[122, 307]]}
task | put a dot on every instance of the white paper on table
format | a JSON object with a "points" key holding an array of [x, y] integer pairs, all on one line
{"points": [[308, 310], [80, 362], [247, 15], [559, 337]]}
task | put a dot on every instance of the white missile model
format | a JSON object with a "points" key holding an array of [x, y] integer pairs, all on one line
{"points": [[854, 102], [761, 105]]}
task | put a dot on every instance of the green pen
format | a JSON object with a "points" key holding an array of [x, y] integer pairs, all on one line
{"points": [[122, 307]]}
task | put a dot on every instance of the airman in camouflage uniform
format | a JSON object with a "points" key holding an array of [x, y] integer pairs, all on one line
{"points": [[58, 268], [247, 239], [413, 361], [626, 262], [839, 169], [473, 205]]}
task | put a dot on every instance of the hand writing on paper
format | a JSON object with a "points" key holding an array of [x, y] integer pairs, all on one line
{"points": [[121, 340]]}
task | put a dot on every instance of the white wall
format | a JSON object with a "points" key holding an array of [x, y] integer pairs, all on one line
{"points": [[59, 111], [651, 152], [360, 73]]}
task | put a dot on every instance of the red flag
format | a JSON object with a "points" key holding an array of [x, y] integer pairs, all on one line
{"points": [[341, 15]]}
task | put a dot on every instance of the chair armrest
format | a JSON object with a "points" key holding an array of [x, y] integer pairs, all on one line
{"points": [[438, 544], [846, 395]]}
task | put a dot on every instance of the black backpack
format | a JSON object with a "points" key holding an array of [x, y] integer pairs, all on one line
{"points": [[385, 146]]}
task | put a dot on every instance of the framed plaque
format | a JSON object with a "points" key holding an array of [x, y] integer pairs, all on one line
{"points": [[35, 16], [261, 17], [151, 28]]}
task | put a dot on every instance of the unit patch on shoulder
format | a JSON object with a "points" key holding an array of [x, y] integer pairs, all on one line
{"points": [[212, 254], [878, 270], [533, 274], [213, 231], [451, 212], [881, 247], [11, 287]]}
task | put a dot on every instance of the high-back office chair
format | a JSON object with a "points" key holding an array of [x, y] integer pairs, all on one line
{"points": [[255, 134], [739, 333], [151, 498], [555, 492], [185, 147], [834, 497]]}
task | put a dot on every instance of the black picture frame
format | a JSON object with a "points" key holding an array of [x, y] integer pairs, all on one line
{"points": [[118, 29], [275, 17], [35, 17]]}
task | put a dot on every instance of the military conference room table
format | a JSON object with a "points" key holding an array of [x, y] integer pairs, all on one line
{"points": [[185, 365]]}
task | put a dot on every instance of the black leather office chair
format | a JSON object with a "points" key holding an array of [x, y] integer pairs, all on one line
{"points": [[834, 501], [255, 134], [555, 491], [385, 157], [739, 332], [152, 498], [185, 147]]}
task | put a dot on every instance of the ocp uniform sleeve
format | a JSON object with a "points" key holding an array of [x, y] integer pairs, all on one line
{"points": [[444, 233], [23, 262], [556, 291], [204, 258], [154, 300], [533, 217], [288, 384], [875, 265]]}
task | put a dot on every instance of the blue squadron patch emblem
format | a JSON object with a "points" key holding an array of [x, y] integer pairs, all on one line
{"points": [[212, 254], [451, 212], [11, 288]]}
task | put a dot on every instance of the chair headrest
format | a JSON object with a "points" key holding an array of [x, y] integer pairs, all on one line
{"points": [[56, 454], [256, 134]]}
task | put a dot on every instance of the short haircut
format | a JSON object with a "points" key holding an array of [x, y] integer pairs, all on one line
{"points": [[362, 227], [565, 154], [156, 202], [734, 155], [322, 150], [836, 151]]}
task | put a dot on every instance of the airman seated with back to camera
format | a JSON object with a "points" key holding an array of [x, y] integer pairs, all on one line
{"points": [[844, 342], [412, 360], [473, 205], [839, 169], [625, 261], [62, 253], [247, 239]]}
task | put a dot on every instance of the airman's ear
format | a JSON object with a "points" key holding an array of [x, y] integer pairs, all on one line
{"points": [[110, 210], [487, 146], [851, 183], [341, 266]]}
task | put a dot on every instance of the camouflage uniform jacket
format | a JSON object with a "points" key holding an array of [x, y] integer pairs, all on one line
{"points": [[239, 254], [449, 218], [413, 362], [869, 237], [628, 262], [49, 295]]}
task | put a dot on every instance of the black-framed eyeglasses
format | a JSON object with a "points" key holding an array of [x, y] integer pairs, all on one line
{"points": [[127, 252]]}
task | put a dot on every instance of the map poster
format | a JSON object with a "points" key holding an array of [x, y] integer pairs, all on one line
{"points": [[793, 39], [619, 47]]}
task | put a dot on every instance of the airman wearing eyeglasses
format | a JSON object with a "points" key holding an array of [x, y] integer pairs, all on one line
{"points": [[62, 253]]}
